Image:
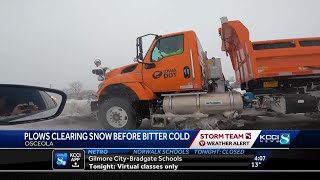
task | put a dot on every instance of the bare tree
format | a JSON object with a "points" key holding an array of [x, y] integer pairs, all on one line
{"points": [[66, 90], [76, 91], [88, 94], [76, 88]]}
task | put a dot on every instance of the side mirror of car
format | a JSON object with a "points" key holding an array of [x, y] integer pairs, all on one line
{"points": [[21, 104]]}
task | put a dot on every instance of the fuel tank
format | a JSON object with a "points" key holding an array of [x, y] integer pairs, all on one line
{"points": [[208, 103]]}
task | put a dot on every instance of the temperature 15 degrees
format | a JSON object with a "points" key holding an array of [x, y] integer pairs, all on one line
{"points": [[259, 158]]}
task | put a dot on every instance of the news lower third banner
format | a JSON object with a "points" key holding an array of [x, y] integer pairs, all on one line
{"points": [[193, 139], [158, 159]]}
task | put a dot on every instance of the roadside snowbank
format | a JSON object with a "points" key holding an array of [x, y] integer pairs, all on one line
{"points": [[77, 108]]}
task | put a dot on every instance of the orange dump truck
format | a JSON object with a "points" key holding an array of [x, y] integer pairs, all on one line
{"points": [[175, 79], [284, 75]]}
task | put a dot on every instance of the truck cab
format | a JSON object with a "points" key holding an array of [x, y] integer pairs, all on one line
{"points": [[175, 66], [175, 63]]}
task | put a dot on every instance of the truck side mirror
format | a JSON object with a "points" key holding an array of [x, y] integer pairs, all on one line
{"points": [[139, 49], [141, 56]]}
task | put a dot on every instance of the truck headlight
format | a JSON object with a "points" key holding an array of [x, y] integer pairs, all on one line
{"points": [[98, 72]]}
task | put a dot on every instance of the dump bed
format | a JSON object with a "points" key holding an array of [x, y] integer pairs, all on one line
{"points": [[268, 59]]}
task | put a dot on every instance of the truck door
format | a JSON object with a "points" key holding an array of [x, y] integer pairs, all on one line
{"points": [[168, 65]]}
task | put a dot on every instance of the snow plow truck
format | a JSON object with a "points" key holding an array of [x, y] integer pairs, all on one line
{"points": [[176, 79]]}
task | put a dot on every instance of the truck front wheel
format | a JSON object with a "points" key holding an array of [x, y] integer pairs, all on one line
{"points": [[117, 113]]}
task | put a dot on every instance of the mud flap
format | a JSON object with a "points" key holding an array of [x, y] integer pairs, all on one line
{"points": [[94, 106]]}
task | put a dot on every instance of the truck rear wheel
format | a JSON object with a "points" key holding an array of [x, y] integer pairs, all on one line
{"points": [[117, 113]]}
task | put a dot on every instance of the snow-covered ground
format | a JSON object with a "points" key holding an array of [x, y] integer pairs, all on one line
{"points": [[76, 108], [77, 116]]}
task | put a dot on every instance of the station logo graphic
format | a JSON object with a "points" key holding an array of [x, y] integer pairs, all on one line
{"points": [[283, 138]]}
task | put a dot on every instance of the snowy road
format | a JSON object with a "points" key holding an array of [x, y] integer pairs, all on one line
{"points": [[87, 123], [76, 117]]}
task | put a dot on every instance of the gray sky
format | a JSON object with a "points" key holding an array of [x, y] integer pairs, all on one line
{"points": [[54, 42]]}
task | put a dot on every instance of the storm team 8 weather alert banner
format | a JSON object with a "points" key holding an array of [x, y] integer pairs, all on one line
{"points": [[159, 150]]}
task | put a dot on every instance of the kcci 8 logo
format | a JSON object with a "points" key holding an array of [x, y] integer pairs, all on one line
{"points": [[283, 138]]}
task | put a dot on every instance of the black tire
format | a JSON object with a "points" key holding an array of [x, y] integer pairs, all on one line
{"points": [[132, 118]]}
